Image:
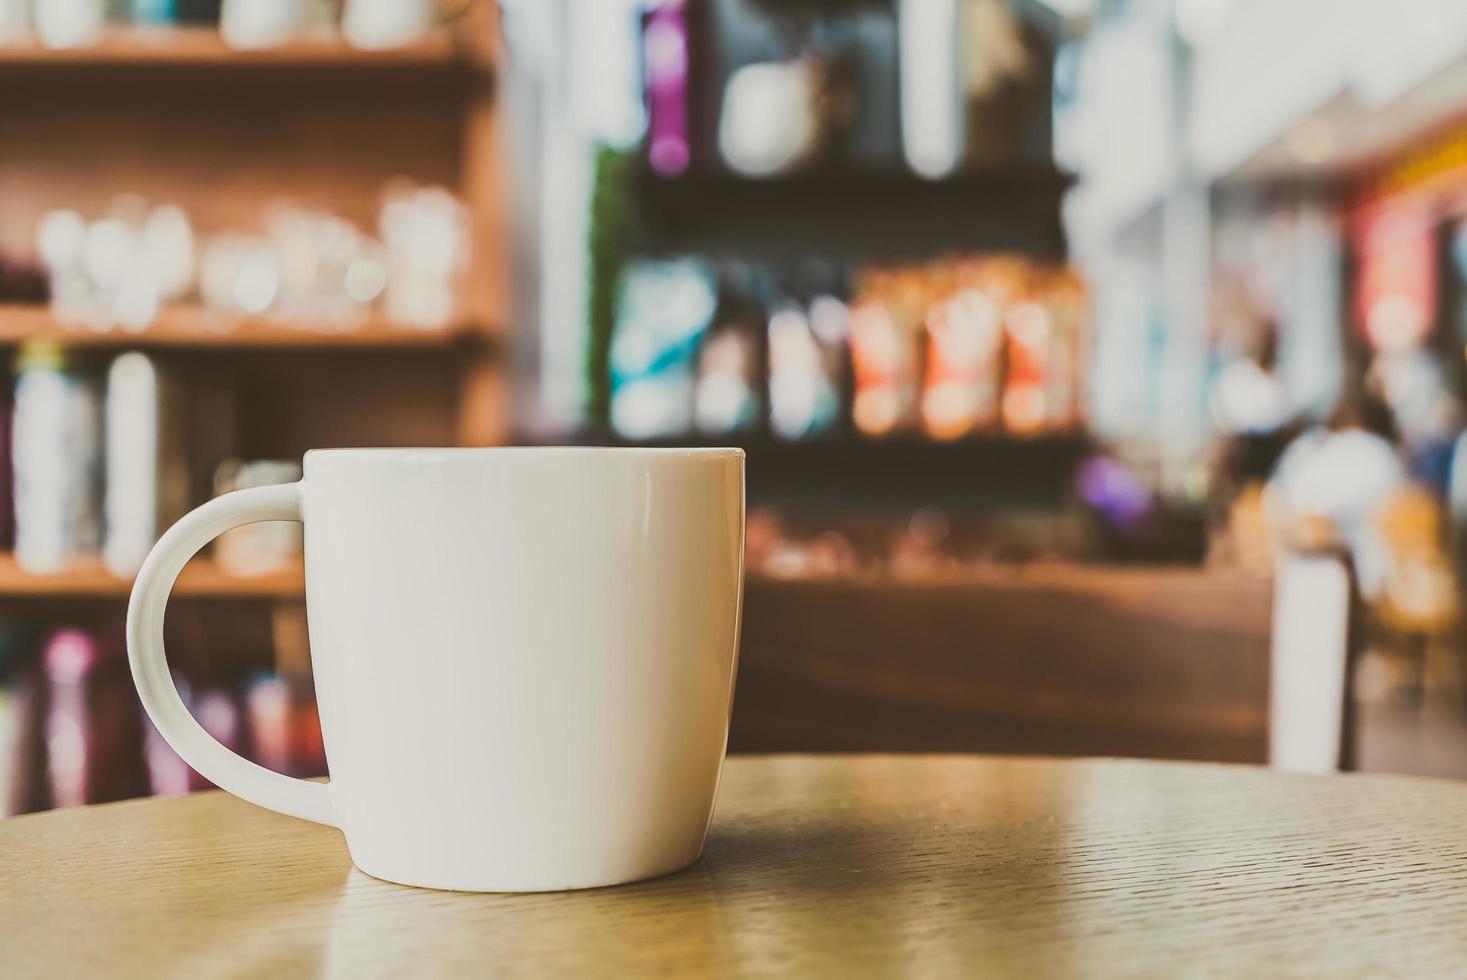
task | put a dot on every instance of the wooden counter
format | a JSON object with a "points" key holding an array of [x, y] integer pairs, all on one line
{"points": [[1161, 662]]}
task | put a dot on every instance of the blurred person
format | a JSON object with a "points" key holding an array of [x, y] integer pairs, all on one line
{"points": [[1332, 485], [1251, 410], [1428, 414]]}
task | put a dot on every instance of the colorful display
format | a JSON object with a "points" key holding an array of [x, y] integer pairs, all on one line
{"points": [[951, 348], [72, 731]]}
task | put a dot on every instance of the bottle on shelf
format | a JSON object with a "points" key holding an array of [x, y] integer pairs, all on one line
{"points": [[806, 365], [56, 458], [147, 482], [931, 98], [886, 351], [963, 380], [1026, 386], [219, 713], [664, 310], [667, 54], [285, 730], [93, 727], [727, 398]]}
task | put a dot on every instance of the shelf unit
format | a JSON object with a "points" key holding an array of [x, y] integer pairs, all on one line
{"points": [[175, 115], [861, 216], [873, 215]]}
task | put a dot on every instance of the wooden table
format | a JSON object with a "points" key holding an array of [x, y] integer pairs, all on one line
{"points": [[820, 867]]}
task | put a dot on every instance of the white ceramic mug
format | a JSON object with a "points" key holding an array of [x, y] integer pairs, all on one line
{"points": [[524, 658]]}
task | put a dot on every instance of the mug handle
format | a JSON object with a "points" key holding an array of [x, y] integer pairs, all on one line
{"points": [[284, 794]]}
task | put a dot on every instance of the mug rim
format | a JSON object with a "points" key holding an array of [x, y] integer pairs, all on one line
{"points": [[430, 454]]}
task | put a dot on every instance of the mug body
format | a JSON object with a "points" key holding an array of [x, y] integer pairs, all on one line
{"points": [[524, 658]]}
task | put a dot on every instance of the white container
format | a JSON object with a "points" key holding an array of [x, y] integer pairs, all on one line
{"points": [[260, 23], [146, 484], [770, 123], [56, 456], [15, 20], [425, 232], [931, 86], [70, 23], [385, 23]]}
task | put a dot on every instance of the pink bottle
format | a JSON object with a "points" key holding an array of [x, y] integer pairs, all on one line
{"points": [[93, 728]]}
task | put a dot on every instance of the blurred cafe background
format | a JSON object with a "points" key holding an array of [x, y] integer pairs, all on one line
{"points": [[1101, 364]]}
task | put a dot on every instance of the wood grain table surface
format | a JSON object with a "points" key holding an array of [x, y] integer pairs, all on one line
{"points": [[883, 866]]}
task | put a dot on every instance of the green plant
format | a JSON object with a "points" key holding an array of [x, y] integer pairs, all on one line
{"points": [[610, 241]]}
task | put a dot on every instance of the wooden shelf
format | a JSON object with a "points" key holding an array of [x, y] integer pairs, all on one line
{"points": [[899, 473], [194, 327], [201, 579], [881, 215], [202, 47]]}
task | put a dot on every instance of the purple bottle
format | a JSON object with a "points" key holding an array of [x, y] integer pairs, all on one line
{"points": [[665, 53]]}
